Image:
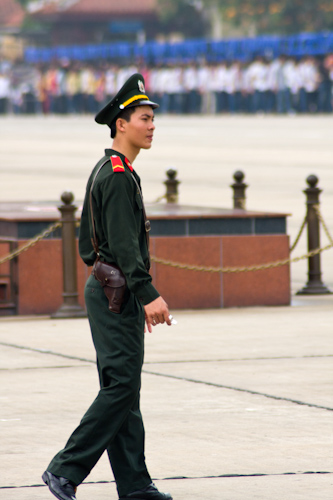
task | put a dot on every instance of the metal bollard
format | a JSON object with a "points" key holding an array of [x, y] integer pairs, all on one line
{"points": [[239, 190], [171, 183], [314, 286], [70, 307]]}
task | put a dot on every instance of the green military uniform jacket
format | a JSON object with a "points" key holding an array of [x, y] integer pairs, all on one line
{"points": [[119, 224]]}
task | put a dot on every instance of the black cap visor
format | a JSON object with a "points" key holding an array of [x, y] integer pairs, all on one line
{"points": [[143, 102]]}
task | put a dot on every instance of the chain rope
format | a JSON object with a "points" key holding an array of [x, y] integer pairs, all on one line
{"points": [[226, 270], [208, 269], [320, 217], [31, 242], [304, 223], [160, 198], [270, 265]]}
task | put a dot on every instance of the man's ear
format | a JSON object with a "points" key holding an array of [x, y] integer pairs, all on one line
{"points": [[120, 124]]}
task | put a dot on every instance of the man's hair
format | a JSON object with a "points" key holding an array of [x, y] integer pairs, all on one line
{"points": [[125, 114]]}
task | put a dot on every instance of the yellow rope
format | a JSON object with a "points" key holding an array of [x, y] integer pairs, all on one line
{"points": [[31, 242]]}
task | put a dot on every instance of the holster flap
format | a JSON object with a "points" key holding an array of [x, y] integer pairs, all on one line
{"points": [[108, 274]]}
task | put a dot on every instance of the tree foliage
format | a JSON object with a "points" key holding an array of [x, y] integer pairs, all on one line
{"points": [[182, 16], [284, 16], [23, 3], [279, 16]]}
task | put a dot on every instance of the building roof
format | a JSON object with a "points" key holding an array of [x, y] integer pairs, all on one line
{"points": [[11, 14], [91, 8]]}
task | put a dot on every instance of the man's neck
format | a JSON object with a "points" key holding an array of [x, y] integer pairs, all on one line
{"points": [[127, 150]]}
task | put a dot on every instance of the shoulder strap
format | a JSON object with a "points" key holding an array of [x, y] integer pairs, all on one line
{"points": [[147, 222], [94, 238]]}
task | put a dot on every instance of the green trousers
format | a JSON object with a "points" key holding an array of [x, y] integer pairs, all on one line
{"points": [[113, 422]]}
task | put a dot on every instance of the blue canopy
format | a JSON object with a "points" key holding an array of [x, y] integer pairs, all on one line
{"points": [[153, 52]]}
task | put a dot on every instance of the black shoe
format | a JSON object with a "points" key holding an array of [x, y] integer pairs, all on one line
{"points": [[149, 493], [61, 487]]}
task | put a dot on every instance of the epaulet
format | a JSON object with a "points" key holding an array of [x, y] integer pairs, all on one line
{"points": [[118, 165]]}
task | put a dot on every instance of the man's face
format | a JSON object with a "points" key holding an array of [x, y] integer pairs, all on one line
{"points": [[140, 129]]}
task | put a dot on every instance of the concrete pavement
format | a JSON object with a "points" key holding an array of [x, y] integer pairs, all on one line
{"points": [[237, 403]]}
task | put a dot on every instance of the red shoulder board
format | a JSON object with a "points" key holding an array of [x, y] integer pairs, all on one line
{"points": [[117, 164], [128, 163]]}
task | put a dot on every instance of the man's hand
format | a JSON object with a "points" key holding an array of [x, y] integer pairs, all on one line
{"points": [[157, 312]]}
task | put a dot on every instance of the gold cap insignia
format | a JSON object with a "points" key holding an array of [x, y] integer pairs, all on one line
{"points": [[141, 86]]}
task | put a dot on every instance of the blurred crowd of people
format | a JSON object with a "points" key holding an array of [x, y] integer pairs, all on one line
{"points": [[281, 85]]}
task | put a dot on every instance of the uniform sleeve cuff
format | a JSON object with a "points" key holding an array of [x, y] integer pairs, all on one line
{"points": [[147, 294]]}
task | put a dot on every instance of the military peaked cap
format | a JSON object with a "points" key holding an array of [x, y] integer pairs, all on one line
{"points": [[131, 94]]}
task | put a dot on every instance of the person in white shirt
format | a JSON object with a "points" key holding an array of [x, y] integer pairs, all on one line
{"points": [[272, 72], [4, 93], [309, 82], [16, 99], [283, 100], [233, 86], [325, 85], [204, 75], [247, 89], [61, 101], [110, 82], [85, 87], [153, 85], [258, 74], [292, 78], [72, 89], [221, 93], [157, 84], [165, 84], [175, 88], [190, 82]]}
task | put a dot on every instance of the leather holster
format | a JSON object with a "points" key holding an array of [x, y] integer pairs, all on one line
{"points": [[113, 282]]}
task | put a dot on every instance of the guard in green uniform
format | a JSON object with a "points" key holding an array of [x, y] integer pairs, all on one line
{"points": [[113, 214]]}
